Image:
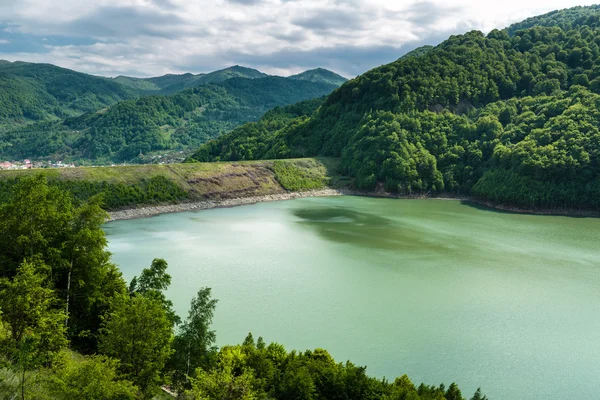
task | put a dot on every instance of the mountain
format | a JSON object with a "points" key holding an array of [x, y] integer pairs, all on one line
{"points": [[33, 92], [320, 75], [173, 83], [565, 19], [418, 52], [154, 85], [40, 92], [158, 123], [511, 117]]}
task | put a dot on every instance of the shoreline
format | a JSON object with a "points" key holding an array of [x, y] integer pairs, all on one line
{"points": [[151, 211]]}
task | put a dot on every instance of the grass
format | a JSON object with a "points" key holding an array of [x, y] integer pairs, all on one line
{"points": [[207, 181], [299, 175]]}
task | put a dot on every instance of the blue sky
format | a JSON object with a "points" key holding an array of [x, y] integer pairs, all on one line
{"points": [[155, 37]]}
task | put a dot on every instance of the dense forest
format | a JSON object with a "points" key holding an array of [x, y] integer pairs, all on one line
{"points": [[131, 129], [510, 117], [173, 83], [36, 92], [70, 327]]}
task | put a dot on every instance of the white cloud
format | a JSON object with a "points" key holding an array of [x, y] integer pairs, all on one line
{"points": [[151, 37], [4, 41]]}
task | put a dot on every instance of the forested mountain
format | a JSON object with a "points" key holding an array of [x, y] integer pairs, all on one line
{"points": [[510, 117], [320, 75], [172, 83], [169, 84], [40, 92], [34, 92], [175, 122], [565, 19]]}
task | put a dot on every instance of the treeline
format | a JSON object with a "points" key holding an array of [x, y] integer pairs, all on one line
{"points": [[132, 129], [155, 190], [514, 109], [71, 328]]}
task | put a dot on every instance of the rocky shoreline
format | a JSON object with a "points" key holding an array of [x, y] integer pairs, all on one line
{"points": [[145, 212], [150, 211]]}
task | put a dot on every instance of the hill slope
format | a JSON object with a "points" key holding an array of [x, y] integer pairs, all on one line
{"points": [[512, 119], [320, 75], [156, 123], [33, 92]]}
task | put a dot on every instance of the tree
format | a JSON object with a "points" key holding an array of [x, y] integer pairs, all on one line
{"points": [[40, 222], [92, 378], [453, 392], [478, 395], [34, 224], [194, 344], [229, 379], [138, 332], [36, 330], [152, 283]]}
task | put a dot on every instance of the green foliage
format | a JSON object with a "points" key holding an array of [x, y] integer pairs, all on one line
{"points": [[94, 377], [138, 332], [131, 129], [194, 343], [155, 190], [34, 92], [36, 331], [249, 371], [320, 75], [297, 178], [41, 223], [152, 284], [566, 19], [510, 117], [255, 139]]}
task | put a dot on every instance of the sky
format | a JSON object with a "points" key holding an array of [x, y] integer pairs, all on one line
{"points": [[154, 37]]}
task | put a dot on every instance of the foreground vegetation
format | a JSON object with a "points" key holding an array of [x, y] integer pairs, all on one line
{"points": [[139, 185], [71, 328], [510, 117]]}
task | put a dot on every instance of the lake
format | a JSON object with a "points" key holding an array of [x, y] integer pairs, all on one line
{"points": [[439, 290]]}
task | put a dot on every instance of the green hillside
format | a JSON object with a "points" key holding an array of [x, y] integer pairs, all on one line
{"points": [[320, 75], [34, 92], [565, 19], [157, 123], [138, 185], [172, 83], [507, 118]]}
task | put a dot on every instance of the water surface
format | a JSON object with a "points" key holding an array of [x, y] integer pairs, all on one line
{"points": [[435, 289]]}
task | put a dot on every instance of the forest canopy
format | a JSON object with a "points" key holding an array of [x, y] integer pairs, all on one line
{"points": [[510, 117]]}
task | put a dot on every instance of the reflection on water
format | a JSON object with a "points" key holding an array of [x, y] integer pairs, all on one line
{"points": [[370, 230]]}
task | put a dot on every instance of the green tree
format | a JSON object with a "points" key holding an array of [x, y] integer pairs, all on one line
{"points": [[138, 332], [194, 343], [92, 378], [36, 330], [152, 283], [453, 392], [478, 395], [229, 379], [41, 223]]}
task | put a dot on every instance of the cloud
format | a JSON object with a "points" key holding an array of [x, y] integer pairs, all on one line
{"points": [[154, 37]]}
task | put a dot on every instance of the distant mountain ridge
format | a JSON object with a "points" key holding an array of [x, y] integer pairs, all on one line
{"points": [[130, 130], [320, 75], [32, 92]]}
